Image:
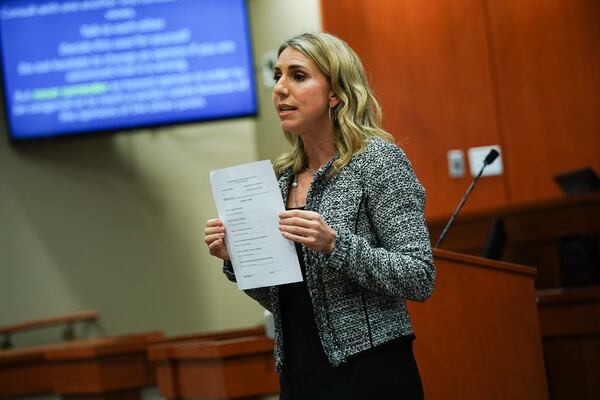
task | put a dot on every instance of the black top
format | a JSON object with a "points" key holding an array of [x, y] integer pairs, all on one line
{"points": [[302, 347]]}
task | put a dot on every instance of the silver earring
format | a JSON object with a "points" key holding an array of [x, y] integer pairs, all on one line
{"points": [[331, 115]]}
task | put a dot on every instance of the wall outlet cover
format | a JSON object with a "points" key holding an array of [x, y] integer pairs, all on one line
{"points": [[476, 157], [456, 163]]}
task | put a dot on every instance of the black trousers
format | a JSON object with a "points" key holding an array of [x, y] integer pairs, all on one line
{"points": [[384, 372]]}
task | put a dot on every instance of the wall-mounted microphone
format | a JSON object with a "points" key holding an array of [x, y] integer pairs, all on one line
{"points": [[490, 158]]}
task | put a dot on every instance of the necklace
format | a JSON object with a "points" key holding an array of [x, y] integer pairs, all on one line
{"points": [[295, 185]]}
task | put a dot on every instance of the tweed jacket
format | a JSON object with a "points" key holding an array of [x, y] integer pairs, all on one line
{"points": [[382, 253]]}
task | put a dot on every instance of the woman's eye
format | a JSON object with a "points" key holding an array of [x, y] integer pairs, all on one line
{"points": [[299, 77], [276, 77]]}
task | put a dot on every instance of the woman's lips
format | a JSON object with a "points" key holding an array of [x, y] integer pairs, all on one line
{"points": [[285, 109]]}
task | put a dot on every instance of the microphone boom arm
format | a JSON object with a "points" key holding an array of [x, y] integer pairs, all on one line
{"points": [[493, 154]]}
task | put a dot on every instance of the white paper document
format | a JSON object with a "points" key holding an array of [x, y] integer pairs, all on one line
{"points": [[248, 202]]}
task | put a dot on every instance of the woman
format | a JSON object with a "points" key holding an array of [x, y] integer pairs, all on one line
{"points": [[355, 213]]}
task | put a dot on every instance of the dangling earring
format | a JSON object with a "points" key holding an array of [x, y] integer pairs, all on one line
{"points": [[331, 114]]}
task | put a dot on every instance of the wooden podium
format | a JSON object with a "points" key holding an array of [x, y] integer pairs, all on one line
{"points": [[478, 336]]}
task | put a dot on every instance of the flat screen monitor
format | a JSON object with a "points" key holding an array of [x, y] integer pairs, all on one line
{"points": [[77, 67]]}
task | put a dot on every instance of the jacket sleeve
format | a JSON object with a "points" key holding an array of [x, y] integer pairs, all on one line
{"points": [[262, 295], [401, 262]]}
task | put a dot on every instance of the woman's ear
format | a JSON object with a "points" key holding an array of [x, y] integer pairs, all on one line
{"points": [[333, 100]]}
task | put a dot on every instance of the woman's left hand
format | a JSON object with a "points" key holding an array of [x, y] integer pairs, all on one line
{"points": [[307, 228]]}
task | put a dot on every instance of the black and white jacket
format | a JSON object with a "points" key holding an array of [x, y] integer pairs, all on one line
{"points": [[382, 254]]}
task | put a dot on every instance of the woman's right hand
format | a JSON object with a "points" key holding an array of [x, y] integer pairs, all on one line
{"points": [[214, 237]]}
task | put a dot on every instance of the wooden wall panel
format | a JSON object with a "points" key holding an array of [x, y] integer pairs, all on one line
{"points": [[429, 65], [547, 59]]}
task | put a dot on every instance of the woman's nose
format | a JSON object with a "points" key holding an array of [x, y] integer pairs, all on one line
{"points": [[280, 88]]}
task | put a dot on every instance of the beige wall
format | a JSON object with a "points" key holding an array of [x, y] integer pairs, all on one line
{"points": [[115, 223], [274, 21]]}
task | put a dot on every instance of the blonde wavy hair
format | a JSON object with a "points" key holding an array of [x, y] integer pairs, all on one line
{"points": [[355, 119]]}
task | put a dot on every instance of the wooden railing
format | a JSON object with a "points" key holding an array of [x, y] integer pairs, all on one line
{"points": [[68, 320]]}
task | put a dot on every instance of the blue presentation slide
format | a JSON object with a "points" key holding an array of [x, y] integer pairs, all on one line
{"points": [[98, 65]]}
